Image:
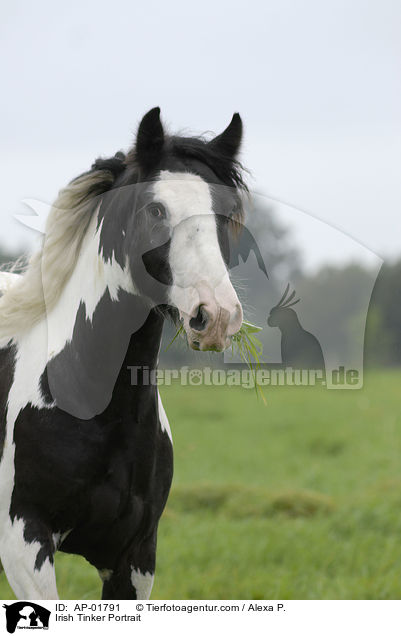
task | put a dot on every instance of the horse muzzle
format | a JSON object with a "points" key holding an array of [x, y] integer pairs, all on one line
{"points": [[211, 324]]}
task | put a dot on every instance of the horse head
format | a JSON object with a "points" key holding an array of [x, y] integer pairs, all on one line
{"points": [[169, 218]]}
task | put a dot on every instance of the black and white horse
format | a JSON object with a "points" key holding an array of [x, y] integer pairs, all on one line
{"points": [[86, 455]]}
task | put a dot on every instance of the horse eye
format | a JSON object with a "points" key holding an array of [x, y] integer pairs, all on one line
{"points": [[157, 211]]}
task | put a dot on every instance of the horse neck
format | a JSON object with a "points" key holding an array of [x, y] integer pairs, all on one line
{"points": [[98, 329], [135, 376], [90, 280]]}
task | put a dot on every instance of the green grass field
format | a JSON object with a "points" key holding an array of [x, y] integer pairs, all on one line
{"points": [[299, 499]]}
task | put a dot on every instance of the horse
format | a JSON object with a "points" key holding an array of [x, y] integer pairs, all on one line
{"points": [[86, 453]]}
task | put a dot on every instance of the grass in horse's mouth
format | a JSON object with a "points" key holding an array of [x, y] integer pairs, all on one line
{"points": [[245, 344], [250, 349]]}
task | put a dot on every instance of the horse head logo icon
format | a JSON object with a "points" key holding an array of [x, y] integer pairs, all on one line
{"points": [[23, 615]]}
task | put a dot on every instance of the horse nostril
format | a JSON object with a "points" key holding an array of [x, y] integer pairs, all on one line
{"points": [[201, 319]]}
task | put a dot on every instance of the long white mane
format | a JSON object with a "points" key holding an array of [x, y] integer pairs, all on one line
{"points": [[25, 299], [6, 280]]}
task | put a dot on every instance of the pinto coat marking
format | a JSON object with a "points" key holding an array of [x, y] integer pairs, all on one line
{"points": [[86, 462]]}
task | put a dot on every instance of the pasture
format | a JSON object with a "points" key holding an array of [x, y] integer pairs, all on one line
{"points": [[299, 499]]}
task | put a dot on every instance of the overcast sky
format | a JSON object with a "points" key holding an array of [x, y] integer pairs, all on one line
{"points": [[316, 83]]}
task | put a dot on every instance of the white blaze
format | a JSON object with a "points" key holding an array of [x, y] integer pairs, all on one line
{"points": [[195, 257]]}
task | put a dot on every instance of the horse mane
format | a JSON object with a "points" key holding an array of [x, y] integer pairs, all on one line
{"points": [[227, 169], [24, 303]]}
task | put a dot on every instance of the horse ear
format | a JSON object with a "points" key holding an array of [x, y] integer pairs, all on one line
{"points": [[149, 139], [228, 143]]}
